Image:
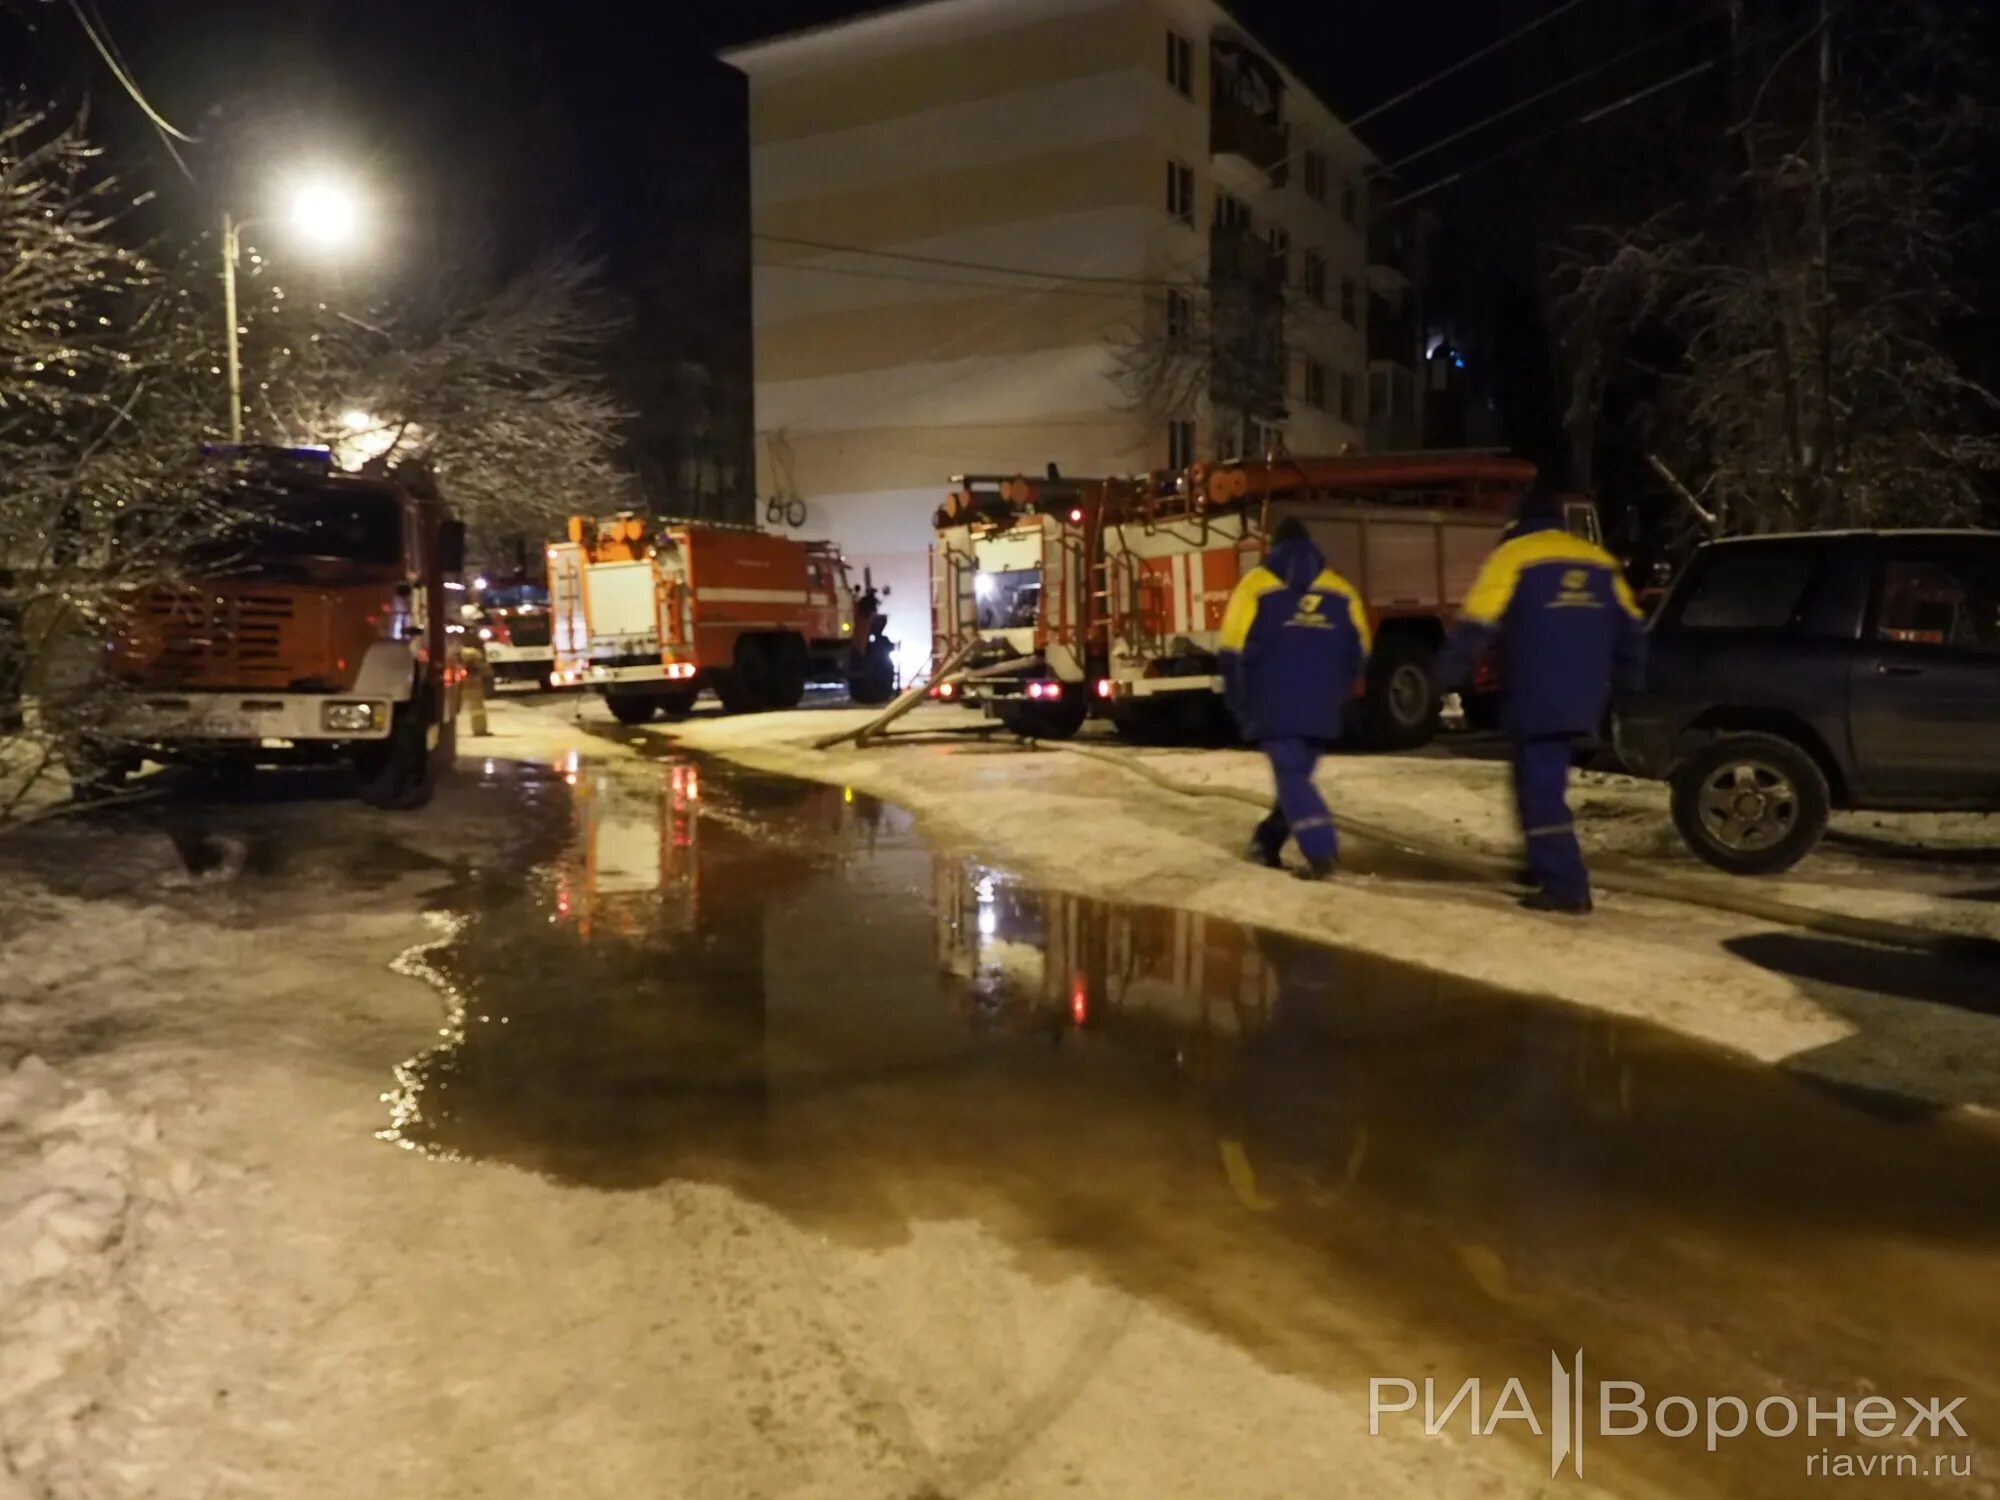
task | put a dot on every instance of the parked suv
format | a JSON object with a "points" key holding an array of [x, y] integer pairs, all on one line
{"points": [[1793, 674]]}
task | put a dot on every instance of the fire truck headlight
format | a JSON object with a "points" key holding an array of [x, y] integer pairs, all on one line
{"points": [[486, 632], [348, 718]]}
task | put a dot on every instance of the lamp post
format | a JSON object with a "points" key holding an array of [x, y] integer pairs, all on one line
{"points": [[321, 211]]}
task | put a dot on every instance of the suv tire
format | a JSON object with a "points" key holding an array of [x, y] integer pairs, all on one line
{"points": [[1751, 804]]}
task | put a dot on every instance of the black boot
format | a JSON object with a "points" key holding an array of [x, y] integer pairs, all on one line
{"points": [[1261, 853]]}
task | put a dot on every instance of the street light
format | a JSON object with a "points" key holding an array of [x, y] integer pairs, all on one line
{"points": [[322, 211]]}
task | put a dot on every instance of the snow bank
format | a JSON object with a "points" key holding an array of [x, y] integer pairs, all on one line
{"points": [[78, 1175]]}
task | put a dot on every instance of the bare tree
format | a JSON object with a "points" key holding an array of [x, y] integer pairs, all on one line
{"points": [[96, 457], [1213, 347], [1793, 307], [499, 391]]}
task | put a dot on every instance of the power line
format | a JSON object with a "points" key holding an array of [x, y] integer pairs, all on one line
{"points": [[169, 133], [1560, 86], [1535, 140], [1463, 63], [946, 261]]}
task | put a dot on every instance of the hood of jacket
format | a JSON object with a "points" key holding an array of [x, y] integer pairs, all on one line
{"points": [[1297, 564]]}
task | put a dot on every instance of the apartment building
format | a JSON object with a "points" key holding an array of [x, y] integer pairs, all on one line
{"points": [[993, 235]]}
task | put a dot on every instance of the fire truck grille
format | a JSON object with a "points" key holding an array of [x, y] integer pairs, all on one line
{"points": [[236, 639]]}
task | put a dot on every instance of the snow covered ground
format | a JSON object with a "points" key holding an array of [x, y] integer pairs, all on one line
{"points": [[216, 1282], [1081, 824]]}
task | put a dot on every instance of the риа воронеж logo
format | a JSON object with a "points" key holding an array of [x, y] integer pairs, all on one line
{"points": [[1623, 1409]]}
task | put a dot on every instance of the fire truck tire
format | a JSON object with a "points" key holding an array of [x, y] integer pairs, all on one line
{"points": [[791, 665], [871, 682], [632, 709], [745, 687], [674, 707], [401, 772], [1399, 707], [1044, 721]]}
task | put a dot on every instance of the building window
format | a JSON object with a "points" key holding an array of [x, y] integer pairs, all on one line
{"points": [[1379, 399], [1180, 192], [1314, 278], [1350, 201], [1180, 444], [1346, 397], [1315, 176], [1180, 63], [1266, 438], [1231, 212], [1281, 253], [1180, 319], [1350, 302], [1315, 385]]}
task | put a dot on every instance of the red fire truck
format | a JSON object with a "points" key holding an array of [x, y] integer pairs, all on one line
{"points": [[1109, 594], [652, 614]]}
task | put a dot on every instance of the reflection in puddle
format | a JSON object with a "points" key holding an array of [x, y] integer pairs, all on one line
{"points": [[710, 974]]}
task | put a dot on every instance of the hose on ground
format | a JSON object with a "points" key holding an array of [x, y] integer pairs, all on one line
{"points": [[1885, 933]]}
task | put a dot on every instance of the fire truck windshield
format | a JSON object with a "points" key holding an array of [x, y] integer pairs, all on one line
{"points": [[1008, 601], [310, 526]]}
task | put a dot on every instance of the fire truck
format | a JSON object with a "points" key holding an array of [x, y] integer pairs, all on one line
{"points": [[315, 629], [1109, 595], [651, 615]]}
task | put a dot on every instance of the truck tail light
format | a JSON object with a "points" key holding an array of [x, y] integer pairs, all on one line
{"points": [[945, 691], [1043, 692], [680, 671], [1104, 687]]}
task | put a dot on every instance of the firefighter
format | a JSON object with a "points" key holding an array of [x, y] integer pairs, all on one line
{"points": [[1568, 626], [1294, 641]]}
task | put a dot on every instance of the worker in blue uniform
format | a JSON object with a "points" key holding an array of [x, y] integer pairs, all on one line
{"points": [[1568, 628], [1293, 644]]}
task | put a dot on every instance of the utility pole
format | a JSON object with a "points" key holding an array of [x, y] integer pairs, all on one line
{"points": [[232, 250], [1823, 254]]}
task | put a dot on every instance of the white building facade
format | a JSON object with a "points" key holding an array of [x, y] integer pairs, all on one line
{"points": [[971, 218]]}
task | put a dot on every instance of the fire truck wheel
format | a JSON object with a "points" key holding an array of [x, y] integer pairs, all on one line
{"points": [[791, 664], [674, 707], [400, 773], [1399, 709], [1044, 721], [872, 680], [632, 709]]}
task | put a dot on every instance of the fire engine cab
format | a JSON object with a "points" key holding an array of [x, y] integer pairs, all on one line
{"points": [[651, 615]]}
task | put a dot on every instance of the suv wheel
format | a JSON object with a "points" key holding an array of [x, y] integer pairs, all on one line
{"points": [[1751, 804]]}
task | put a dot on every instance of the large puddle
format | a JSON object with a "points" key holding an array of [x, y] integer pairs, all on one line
{"points": [[1351, 1168]]}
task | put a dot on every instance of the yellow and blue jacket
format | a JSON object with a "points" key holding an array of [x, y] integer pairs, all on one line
{"points": [[1568, 625], [1293, 643]]}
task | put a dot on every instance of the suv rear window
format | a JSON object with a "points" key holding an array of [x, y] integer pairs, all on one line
{"points": [[1747, 588]]}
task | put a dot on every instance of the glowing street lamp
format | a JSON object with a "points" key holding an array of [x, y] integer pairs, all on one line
{"points": [[323, 212]]}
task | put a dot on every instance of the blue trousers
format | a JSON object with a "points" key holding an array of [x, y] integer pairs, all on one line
{"points": [[1541, 796], [1300, 812]]}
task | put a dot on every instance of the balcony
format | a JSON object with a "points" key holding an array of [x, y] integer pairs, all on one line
{"points": [[1246, 113], [1243, 263]]}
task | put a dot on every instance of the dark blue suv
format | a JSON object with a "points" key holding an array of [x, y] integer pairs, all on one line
{"points": [[1793, 674]]}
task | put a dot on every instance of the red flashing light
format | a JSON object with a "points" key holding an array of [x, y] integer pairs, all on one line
{"points": [[1076, 516], [945, 690], [1079, 1000]]}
